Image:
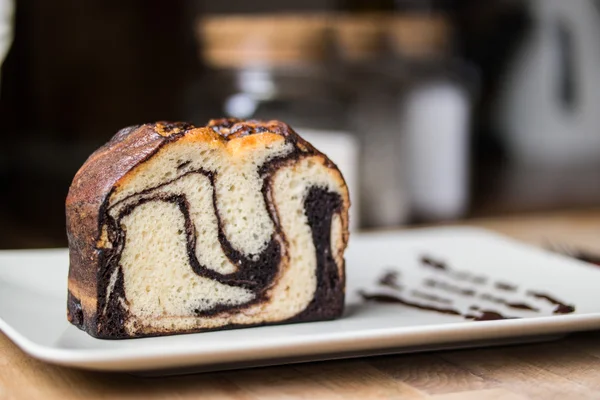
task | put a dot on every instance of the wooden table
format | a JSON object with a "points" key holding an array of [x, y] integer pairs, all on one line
{"points": [[564, 369]]}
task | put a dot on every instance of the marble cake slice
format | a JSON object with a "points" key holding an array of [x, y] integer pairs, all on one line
{"points": [[174, 228]]}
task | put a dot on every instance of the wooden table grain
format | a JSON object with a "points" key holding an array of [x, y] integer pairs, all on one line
{"points": [[565, 369]]}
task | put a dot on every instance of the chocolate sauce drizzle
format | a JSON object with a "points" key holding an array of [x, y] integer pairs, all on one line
{"points": [[439, 265], [515, 305], [443, 267], [430, 297], [487, 315], [386, 298], [507, 287], [561, 308], [390, 279], [434, 283]]}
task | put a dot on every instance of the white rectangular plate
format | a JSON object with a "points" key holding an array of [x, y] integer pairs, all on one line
{"points": [[33, 287]]}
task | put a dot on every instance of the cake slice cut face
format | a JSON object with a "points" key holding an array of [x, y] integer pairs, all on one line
{"points": [[176, 229]]}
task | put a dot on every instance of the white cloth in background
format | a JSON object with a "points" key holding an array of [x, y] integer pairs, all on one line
{"points": [[7, 11]]}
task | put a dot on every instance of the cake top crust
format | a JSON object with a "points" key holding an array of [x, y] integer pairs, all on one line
{"points": [[232, 128], [133, 145]]}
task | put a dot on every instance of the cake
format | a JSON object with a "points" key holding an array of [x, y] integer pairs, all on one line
{"points": [[175, 229]]}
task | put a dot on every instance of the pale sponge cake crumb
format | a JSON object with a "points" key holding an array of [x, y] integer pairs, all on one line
{"points": [[239, 223], [156, 271]]}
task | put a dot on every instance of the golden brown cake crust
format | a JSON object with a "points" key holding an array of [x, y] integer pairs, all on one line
{"points": [[106, 167]]}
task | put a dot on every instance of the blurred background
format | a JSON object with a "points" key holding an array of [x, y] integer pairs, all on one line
{"points": [[434, 110]]}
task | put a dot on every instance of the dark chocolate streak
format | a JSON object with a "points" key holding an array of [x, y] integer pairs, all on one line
{"points": [[426, 260], [390, 279], [443, 267], [505, 286], [111, 322], [509, 304], [430, 297], [386, 298], [256, 275], [183, 165], [561, 308], [320, 205], [487, 315], [449, 287]]}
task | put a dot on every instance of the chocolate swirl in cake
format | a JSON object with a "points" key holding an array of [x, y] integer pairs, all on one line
{"points": [[238, 223]]}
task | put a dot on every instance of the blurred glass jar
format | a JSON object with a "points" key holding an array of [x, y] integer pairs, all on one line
{"points": [[276, 67], [434, 111], [410, 110], [373, 86]]}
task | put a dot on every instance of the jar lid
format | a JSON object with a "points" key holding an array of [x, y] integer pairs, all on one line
{"points": [[234, 41], [420, 36], [360, 37]]}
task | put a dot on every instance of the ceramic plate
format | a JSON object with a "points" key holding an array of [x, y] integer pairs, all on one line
{"points": [[406, 291]]}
